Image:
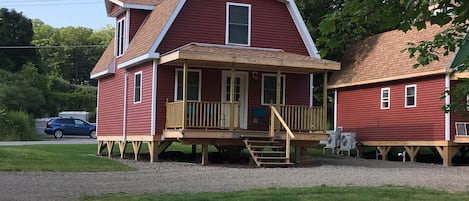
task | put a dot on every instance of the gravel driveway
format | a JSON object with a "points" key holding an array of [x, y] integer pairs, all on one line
{"points": [[163, 177]]}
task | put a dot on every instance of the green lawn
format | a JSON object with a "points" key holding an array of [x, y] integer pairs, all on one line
{"points": [[383, 193], [56, 158]]}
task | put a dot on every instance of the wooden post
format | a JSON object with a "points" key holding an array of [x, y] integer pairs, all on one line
{"points": [[136, 146], [324, 103], [278, 95], [232, 99], [384, 150], [412, 151], [297, 154], [110, 146], [184, 96], [100, 147], [122, 146], [204, 154], [272, 122], [447, 153], [153, 149]]}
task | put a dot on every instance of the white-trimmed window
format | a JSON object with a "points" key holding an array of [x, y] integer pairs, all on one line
{"points": [[120, 37], [385, 98], [411, 95], [238, 24], [138, 87], [269, 89], [193, 85]]}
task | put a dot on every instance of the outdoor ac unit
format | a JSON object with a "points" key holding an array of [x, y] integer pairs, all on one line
{"points": [[347, 141], [333, 140]]}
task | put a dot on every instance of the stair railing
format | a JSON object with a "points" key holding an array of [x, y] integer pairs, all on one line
{"points": [[288, 134]]}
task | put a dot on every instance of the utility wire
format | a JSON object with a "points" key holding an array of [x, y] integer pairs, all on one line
{"points": [[52, 4], [50, 47]]}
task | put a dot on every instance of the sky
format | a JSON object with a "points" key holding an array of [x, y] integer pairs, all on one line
{"points": [[63, 13]]}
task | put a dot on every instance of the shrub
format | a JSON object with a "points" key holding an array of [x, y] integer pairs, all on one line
{"points": [[17, 126]]}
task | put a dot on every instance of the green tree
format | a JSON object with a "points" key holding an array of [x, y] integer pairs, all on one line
{"points": [[15, 31]]}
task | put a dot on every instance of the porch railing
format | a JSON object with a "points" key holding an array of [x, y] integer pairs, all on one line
{"points": [[202, 115], [302, 118], [274, 115]]}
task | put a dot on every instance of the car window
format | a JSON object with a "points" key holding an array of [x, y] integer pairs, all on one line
{"points": [[68, 121], [79, 122], [60, 121]]}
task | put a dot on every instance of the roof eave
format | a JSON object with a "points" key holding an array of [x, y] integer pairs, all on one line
{"points": [[138, 60]]}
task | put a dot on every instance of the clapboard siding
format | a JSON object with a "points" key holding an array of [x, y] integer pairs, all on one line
{"points": [[139, 114], [110, 105]]}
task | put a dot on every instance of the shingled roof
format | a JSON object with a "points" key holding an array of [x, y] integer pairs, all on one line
{"points": [[379, 59], [106, 62]]}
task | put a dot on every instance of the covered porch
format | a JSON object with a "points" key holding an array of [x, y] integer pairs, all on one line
{"points": [[225, 122]]}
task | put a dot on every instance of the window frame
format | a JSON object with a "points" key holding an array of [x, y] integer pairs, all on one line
{"points": [[414, 95], [140, 89], [383, 100], [227, 32], [176, 83], [282, 77], [120, 41]]}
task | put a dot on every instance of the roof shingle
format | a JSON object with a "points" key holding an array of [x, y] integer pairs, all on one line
{"points": [[106, 59]]}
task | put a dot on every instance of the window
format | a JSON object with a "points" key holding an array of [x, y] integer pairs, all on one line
{"points": [[269, 89], [238, 24], [385, 98], [411, 95], [120, 36], [138, 87], [193, 85]]}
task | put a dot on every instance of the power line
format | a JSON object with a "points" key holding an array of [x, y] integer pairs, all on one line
{"points": [[50, 47], [52, 4]]}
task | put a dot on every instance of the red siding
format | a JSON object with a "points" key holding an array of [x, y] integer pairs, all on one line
{"points": [[139, 114], [359, 111], [110, 105], [165, 91], [204, 22], [136, 19]]}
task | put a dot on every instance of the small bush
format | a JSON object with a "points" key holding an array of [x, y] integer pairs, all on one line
{"points": [[17, 126]]}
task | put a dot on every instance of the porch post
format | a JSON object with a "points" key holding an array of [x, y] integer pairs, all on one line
{"points": [[232, 99], [184, 95], [324, 103], [278, 95]]}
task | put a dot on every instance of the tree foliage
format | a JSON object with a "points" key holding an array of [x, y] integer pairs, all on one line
{"points": [[15, 30]]}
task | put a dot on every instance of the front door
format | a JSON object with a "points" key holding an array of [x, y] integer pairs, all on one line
{"points": [[240, 97]]}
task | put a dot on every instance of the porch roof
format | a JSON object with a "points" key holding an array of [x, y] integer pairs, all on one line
{"points": [[245, 58]]}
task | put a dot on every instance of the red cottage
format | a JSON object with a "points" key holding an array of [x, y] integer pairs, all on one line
{"points": [[390, 104], [228, 73]]}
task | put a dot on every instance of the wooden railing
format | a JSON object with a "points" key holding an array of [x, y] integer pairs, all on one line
{"points": [[302, 118], [274, 115], [202, 115]]}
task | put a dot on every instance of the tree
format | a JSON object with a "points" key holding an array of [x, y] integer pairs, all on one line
{"points": [[15, 31], [356, 19]]}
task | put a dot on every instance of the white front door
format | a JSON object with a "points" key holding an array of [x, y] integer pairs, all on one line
{"points": [[240, 97]]}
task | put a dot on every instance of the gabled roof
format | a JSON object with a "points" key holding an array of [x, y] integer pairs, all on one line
{"points": [[263, 59], [379, 59], [135, 4], [106, 63]]}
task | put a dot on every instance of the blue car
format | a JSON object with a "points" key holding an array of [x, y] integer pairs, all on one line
{"points": [[59, 127]]}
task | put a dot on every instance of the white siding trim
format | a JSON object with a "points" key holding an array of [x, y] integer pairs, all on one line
{"points": [[154, 85], [447, 114], [302, 29], [124, 123], [227, 22], [97, 108], [382, 99], [134, 6], [311, 89], [138, 60], [176, 82]]}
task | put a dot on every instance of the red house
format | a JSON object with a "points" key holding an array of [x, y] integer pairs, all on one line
{"points": [[227, 73], [390, 104]]}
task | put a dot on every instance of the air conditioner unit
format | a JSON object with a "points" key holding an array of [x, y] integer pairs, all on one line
{"points": [[347, 142], [333, 140]]}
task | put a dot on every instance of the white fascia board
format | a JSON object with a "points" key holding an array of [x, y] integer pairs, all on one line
{"points": [[99, 74], [167, 26], [139, 59], [302, 29], [133, 6], [447, 114]]}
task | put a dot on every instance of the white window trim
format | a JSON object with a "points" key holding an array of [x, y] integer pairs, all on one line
{"points": [[135, 84], [467, 103], [124, 26], [262, 88], [228, 4], [382, 98], [415, 96], [176, 82]]}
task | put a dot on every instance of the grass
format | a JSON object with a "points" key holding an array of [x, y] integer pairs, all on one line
{"points": [[383, 193], [56, 158]]}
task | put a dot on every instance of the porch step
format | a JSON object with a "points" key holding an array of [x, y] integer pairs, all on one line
{"points": [[266, 152]]}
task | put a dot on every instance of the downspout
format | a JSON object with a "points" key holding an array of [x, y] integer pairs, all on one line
{"points": [[153, 98], [447, 114], [124, 123]]}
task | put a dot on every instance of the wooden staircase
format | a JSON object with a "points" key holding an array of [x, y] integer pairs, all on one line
{"points": [[265, 151]]}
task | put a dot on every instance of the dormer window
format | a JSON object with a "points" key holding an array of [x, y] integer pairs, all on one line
{"points": [[238, 24], [120, 37]]}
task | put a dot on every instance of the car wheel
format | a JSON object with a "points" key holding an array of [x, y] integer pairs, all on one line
{"points": [[58, 134], [93, 134]]}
